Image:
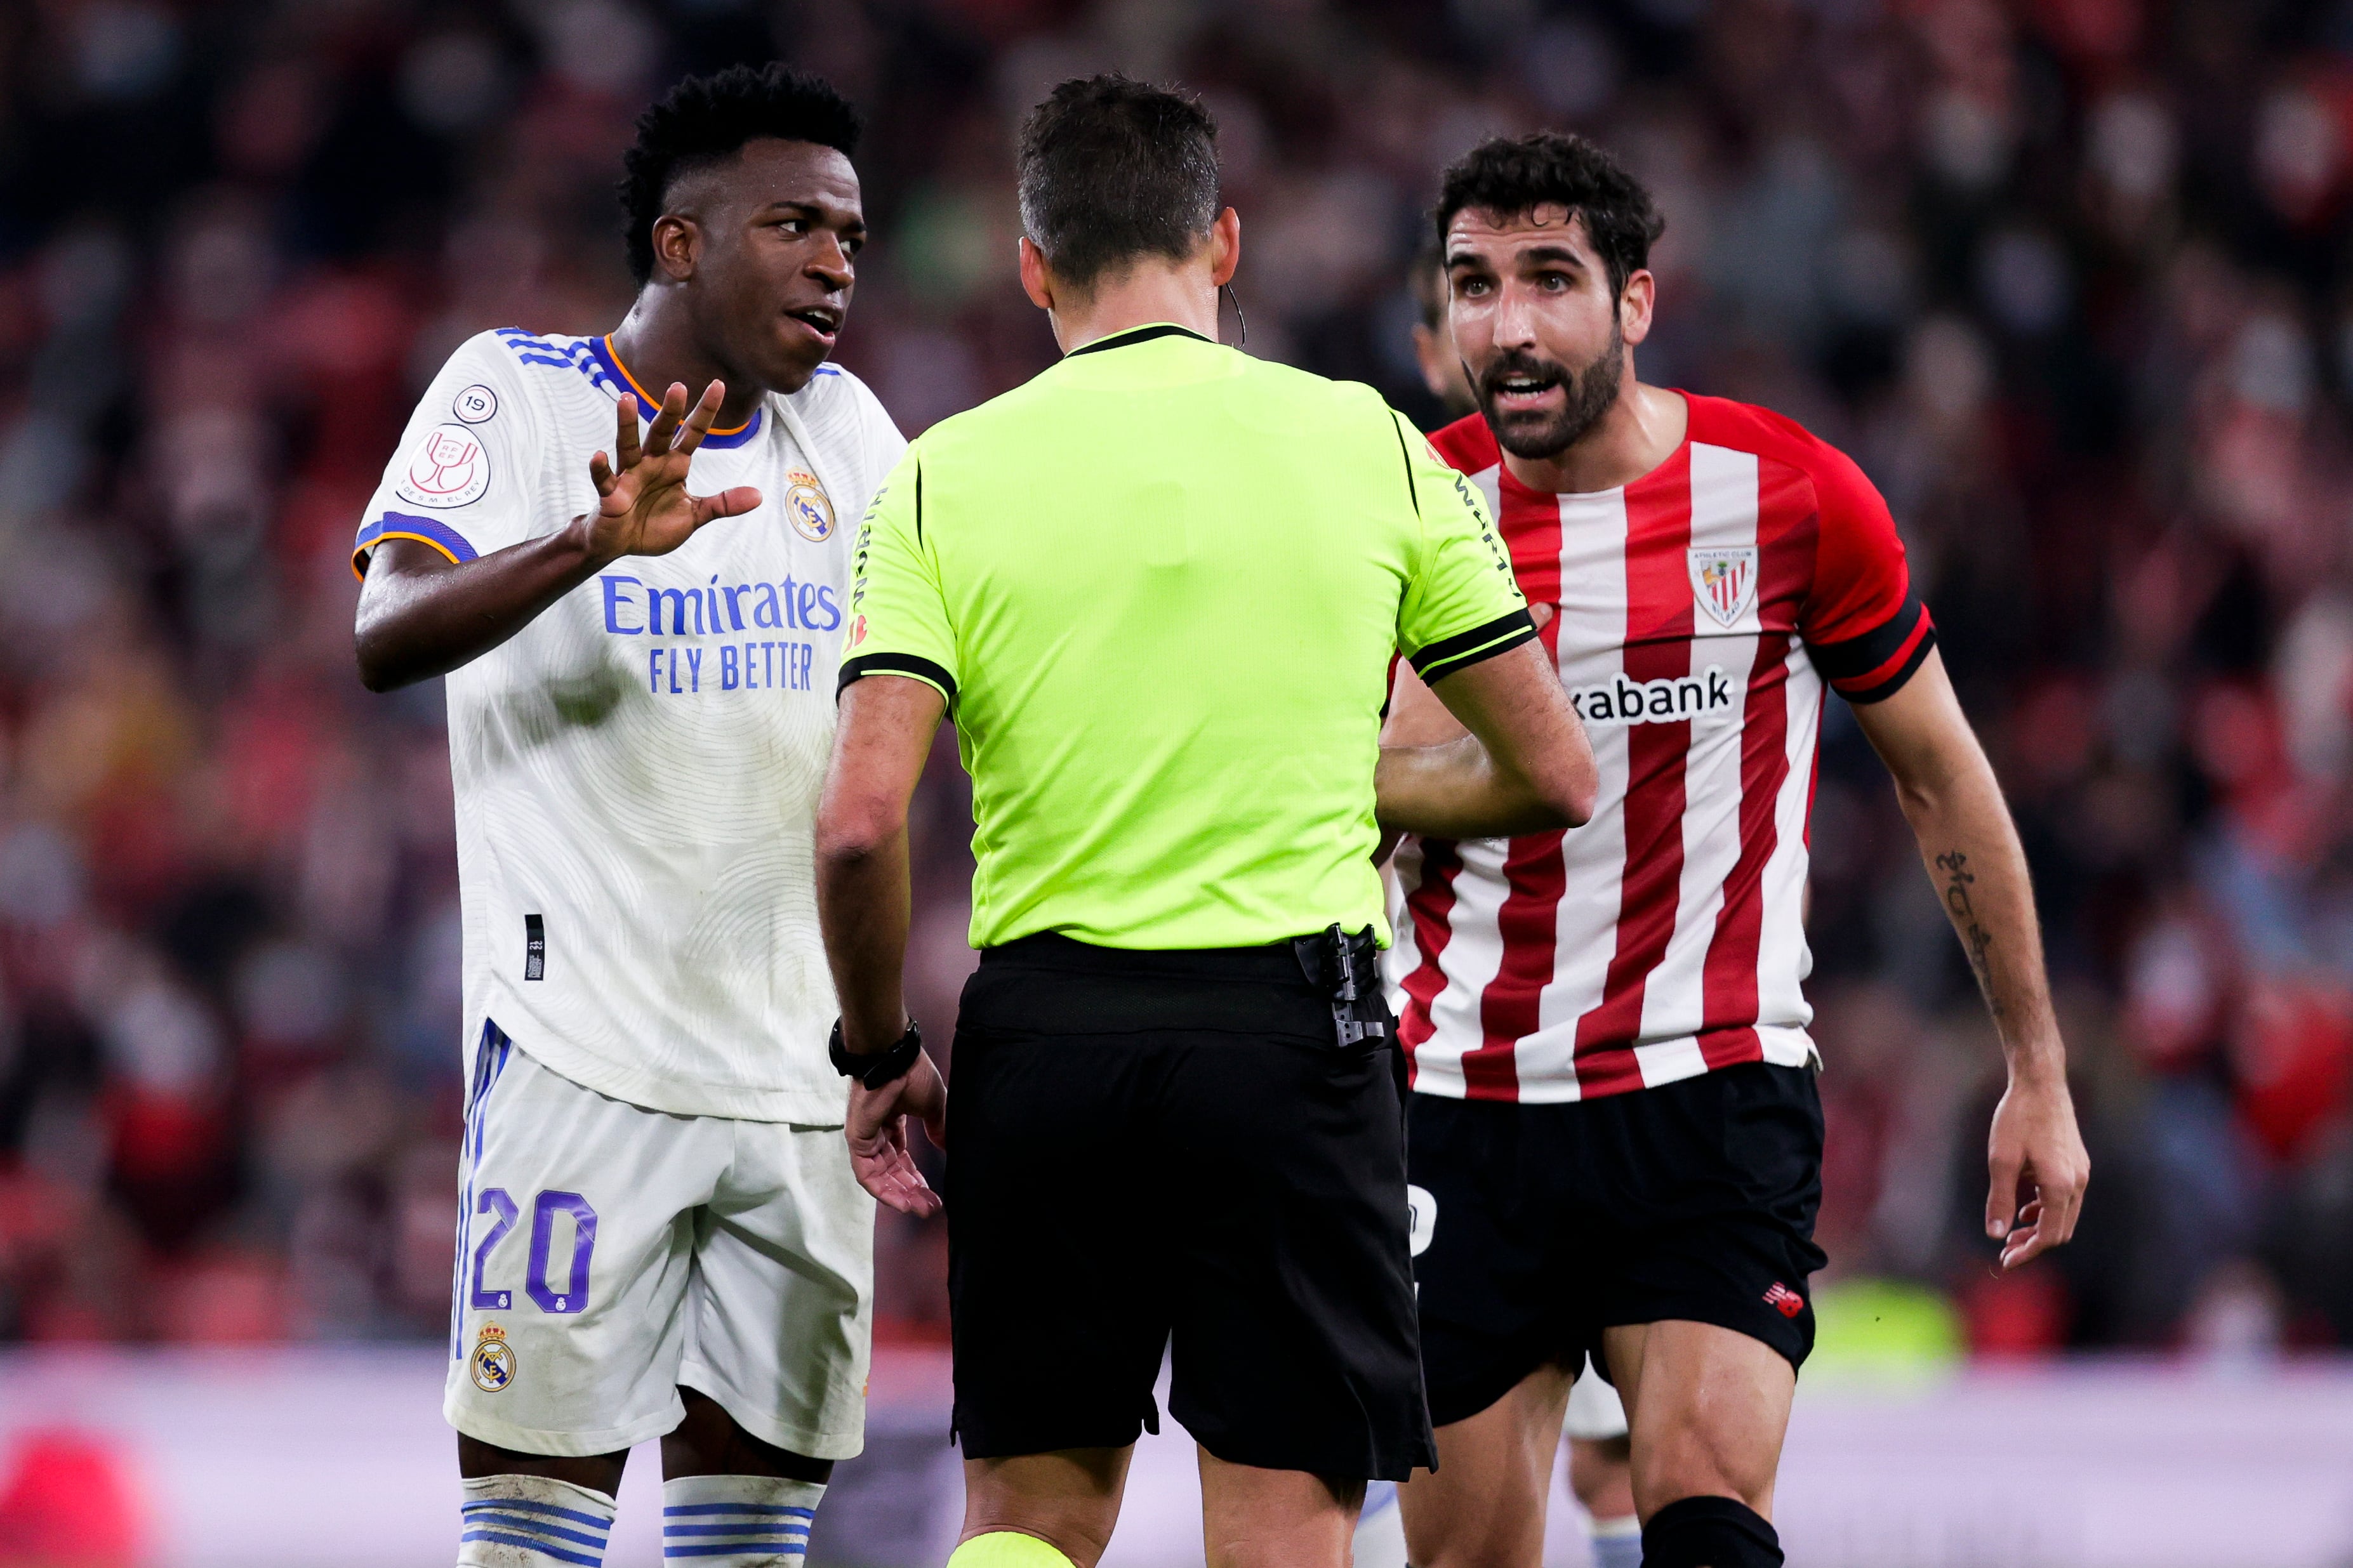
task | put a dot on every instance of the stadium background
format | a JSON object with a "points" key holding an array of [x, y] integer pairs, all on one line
{"points": [[2068, 276]]}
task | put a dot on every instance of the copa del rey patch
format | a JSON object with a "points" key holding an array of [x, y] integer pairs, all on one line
{"points": [[448, 467], [1724, 581]]}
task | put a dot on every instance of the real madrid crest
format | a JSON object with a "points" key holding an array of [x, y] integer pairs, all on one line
{"points": [[493, 1360], [808, 506]]}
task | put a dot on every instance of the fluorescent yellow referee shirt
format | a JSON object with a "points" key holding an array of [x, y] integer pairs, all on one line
{"points": [[1159, 586]]}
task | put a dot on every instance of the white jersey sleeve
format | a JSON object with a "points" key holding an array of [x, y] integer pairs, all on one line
{"points": [[465, 477]]}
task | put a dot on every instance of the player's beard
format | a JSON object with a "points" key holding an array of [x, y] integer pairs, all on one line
{"points": [[1591, 391]]}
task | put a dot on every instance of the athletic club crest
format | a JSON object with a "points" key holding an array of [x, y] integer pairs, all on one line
{"points": [[806, 504], [1724, 581], [493, 1360]]}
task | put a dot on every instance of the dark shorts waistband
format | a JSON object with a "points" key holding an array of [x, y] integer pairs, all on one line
{"points": [[1050, 950], [1049, 983]]}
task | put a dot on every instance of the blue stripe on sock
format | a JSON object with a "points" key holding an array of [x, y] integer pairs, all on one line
{"points": [[716, 1550], [520, 1521], [601, 1521], [503, 1538], [739, 1508], [766, 1530]]}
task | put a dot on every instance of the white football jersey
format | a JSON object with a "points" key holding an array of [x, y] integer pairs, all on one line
{"points": [[638, 769]]}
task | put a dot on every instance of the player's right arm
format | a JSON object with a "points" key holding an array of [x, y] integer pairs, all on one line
{"points": [[424, 613], [899, 674]]}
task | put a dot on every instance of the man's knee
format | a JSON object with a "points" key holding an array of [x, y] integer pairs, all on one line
{"points": [[1710, 1532]]}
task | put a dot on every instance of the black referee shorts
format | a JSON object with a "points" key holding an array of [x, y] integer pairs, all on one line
{"points": [[1153, 1146], [1540, 1226]]}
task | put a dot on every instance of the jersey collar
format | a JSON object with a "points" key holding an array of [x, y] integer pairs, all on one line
{"points": [[649, 404], [1138, 335]]}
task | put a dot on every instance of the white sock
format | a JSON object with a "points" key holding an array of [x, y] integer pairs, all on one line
{"points": [[1617, 1543], [738, 1522], [530, 1522]]}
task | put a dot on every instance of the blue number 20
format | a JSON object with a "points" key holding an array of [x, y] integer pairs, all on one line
{"points": [[494, 1200], [574, 1297]]}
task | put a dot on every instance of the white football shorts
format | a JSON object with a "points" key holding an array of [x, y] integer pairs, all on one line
{"points": [[1594, 1408], [607, 1254]]}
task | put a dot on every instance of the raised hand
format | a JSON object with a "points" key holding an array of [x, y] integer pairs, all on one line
{"points": [[643, 506]]}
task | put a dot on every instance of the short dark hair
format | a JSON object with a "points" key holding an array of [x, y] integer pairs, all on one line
{"points": [[706, 119], [1513, 175], [1112, 169]]}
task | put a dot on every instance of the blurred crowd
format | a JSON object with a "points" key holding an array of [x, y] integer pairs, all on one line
{"points": [[2068, 276]]}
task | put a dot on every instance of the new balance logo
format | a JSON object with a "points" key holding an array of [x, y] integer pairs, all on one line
{"points": [[1707, 696], [1784, 1301]]}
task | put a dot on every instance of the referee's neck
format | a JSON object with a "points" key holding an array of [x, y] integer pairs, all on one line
{"points": [[1140, 294], [1151, 291]]}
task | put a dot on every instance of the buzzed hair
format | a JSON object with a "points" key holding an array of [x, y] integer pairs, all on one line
{"points": [[1115, 170]]}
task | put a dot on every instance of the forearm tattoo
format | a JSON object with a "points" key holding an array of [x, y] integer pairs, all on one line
{"points": [[1975, 939]]}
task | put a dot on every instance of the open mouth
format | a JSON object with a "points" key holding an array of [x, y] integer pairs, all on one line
{"points": [[1522, 390], [825, 320]]}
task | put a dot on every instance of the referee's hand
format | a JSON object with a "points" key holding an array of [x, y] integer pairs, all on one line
{"points": [[877, 1131]]}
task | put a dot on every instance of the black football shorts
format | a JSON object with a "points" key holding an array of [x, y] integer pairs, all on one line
{"points": [[1536, 1227], [1154, 1151]]}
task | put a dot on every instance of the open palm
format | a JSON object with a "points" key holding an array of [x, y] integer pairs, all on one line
{"points": [[643, 506]]}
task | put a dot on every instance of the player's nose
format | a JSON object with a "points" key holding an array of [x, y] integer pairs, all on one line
{"points": [[1515, 320], [831, 262]]}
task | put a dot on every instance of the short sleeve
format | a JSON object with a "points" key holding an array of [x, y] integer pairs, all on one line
{"points": [[1867, 632], [898, 618], [461, 478], [1463, 605]]}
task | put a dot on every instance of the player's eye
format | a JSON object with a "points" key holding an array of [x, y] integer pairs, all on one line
{"points": [[1555, 282]]}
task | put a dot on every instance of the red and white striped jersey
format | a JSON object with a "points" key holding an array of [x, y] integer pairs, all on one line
{"points": [[1699, 611]]}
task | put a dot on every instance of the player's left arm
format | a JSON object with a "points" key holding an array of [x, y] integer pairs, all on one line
{"points": [[1967, 841], [1873, 640]]}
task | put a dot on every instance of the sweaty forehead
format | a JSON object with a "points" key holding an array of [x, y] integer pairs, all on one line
{"points": [[769, 171], [1483, 231]]}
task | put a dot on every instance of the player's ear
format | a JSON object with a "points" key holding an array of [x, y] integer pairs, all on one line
{"points": [[1036, 281], [1634, 305], [678, 243], [1225, 246]]}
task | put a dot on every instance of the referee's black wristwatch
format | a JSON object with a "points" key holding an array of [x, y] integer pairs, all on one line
{"points": [[875, 1071]]}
